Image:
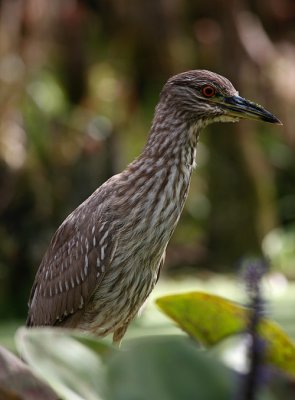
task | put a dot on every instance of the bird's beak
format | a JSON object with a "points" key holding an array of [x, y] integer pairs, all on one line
{"points": [[242, 108]]}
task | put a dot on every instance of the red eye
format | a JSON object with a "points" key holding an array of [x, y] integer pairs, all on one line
{"points": [[208, 91]]}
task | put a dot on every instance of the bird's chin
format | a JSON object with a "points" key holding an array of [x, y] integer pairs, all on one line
{"points": [[223, 118]]}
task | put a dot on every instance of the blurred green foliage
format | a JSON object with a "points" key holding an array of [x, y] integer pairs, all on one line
{"points": [[157, 367], [80, 366], [154, 361], [79, 81]]}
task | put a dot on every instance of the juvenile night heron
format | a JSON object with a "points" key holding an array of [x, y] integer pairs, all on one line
{"points": [[105, 258]]}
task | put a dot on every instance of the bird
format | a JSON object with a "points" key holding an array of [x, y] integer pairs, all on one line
{"points": [[106, 257]]}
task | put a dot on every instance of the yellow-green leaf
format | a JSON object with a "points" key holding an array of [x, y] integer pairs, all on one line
{"points": [[209, 319]]}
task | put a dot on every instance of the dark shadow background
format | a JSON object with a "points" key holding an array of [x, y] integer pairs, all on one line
{"points": [[79, 81]]}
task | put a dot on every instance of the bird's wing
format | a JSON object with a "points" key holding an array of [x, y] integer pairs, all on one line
{"points": [[71, 269]]}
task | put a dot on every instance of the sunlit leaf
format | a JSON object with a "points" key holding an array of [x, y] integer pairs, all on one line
{"points": [[17, 381], [209, 319], [166, 368], [74, 370]]}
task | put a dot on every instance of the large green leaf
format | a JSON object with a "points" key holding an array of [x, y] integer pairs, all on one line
{"points": [[166, 368], [61, 358], [158, 368], [209, 319]]}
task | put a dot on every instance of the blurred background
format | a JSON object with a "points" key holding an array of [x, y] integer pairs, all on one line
{"points": [[79, 81]]}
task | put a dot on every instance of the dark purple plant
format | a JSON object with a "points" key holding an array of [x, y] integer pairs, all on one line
{"points": [[252, 273]]}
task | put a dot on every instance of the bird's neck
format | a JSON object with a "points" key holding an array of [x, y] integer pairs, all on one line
{"points": [[154, 187], [172, 141], [162, 173]]}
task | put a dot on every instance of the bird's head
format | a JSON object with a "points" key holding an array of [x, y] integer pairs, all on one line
{"points": [[210, 97]]}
